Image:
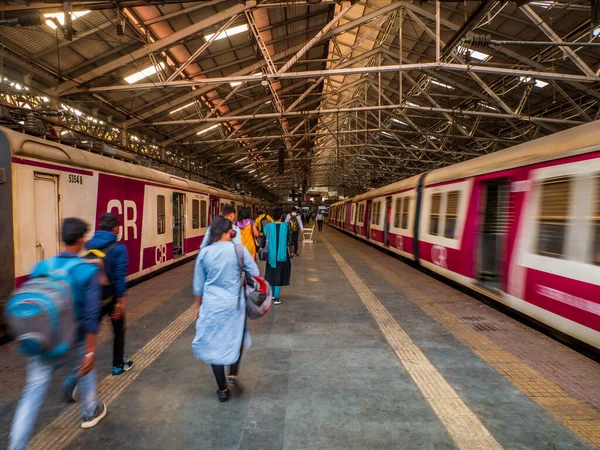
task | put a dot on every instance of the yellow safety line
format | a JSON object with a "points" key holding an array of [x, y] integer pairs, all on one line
{"points": [[66, 427], [579, 418], [460, 422]]}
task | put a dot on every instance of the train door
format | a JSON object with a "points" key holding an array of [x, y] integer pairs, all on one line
{"points": [[368, 213], [46, 220], [356, 208], [387, 220], [178, 224], [214, 209], [493, 226]]}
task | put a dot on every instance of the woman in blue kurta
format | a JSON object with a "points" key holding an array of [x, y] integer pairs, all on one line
{"points": [[221, 331], [279, 266]]}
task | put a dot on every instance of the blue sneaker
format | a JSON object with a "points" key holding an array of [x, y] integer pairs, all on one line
{"points": [[118, 370]]}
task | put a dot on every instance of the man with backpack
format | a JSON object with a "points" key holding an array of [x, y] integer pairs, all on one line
{"points": [[112, 258], [296, 229], [78, 311]]}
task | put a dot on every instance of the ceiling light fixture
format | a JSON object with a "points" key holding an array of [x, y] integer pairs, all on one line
{"points": [[207, 130]]}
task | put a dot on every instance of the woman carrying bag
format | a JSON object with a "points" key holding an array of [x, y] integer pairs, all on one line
{"points": [[221, 329], [279, 266]]}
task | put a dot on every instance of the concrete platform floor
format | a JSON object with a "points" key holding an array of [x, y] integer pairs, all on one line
{"points": [[364, 353]]}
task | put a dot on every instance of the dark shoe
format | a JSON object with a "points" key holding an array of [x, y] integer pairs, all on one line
{"points": [[92, 421], [277, 301], [223, 396], [118, 370], [70, 388]]}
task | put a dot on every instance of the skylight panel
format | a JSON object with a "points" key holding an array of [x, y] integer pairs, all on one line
{"points": [[208, 129], [61, 17], [596, 32], [144, 73], [536, 83], [439, 83], [235, 83], [227, 33], [474, 53], [182, 107], [399, 122]]}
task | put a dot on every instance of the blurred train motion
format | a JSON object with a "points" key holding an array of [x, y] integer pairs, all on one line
{"points": [[521, 226], [164, 217]]}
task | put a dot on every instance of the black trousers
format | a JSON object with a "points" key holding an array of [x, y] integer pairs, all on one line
{"points": [[294, 236], [119, 335], [219, 371], [320, 223]]}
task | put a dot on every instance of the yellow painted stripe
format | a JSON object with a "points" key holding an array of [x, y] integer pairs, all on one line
{"points": [[460, 422], [66, 427], [578, 417]]}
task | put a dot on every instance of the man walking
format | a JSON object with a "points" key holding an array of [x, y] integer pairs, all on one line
{"points": [[113, 254], [296, 229], [228, 212], [86, 293], [320, 219]]}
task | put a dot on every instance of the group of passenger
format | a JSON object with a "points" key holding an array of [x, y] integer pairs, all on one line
{"points": [[100, 290], [92, 300]]}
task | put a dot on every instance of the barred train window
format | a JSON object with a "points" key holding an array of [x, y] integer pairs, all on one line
{"points": [[451, 214], [405, 210], [195, 214], [397, 212], [374, 219], [160, 214], [203, 213], [377, 213], [553, 217], [596, 223], [434, 218]]}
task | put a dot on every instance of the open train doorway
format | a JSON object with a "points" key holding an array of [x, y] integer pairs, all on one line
{"points": [[47, 222], [178, 224], [493, 227], [214, 209], [387, 220]]}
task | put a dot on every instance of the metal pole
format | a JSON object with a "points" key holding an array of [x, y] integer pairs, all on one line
{"points": [[400, 51], [437, 31]]}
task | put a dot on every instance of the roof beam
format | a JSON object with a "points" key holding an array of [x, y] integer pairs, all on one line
{"points": [[156, 46]]}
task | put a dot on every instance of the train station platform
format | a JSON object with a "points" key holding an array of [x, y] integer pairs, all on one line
{"points": [[365, 352]]}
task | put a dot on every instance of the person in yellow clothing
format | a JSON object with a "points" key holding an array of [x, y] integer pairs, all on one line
{"points": [[262, 220], [248, 230]]}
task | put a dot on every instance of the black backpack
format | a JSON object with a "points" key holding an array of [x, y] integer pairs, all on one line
{"points": [[98, 257]]}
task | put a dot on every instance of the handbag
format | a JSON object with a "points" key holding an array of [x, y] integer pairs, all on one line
{"points": [[259, 297]]}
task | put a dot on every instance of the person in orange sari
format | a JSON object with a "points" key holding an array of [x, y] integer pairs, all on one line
{"points": [[248, 230]]}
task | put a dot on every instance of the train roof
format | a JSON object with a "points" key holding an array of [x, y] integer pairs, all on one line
{"points": [[574, 141], [22, 144]]}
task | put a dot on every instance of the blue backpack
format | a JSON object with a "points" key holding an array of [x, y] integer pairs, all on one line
{"points": [[40, 314]]}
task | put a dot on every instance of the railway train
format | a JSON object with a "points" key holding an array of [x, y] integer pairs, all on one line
{"points": [[521, 226], [163, 217]]}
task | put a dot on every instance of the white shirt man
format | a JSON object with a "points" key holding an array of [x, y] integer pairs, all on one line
{"points": [[320, 219]]}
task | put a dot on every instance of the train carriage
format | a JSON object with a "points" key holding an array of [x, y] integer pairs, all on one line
{"points": [[521, 226], [163, 217]]}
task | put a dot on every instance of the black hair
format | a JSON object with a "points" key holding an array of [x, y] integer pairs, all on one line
{"points": [[244, 213], [108, 221], [218, 226], [73, 229], [277, 213], [260, 213], [227, 210]]}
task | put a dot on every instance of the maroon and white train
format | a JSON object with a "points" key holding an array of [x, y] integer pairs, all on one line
{"points": [[164, 217], [521, 226]]}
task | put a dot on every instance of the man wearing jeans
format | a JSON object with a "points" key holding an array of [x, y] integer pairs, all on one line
{"points": [[86, 293]]}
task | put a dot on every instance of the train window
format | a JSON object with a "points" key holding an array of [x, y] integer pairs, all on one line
{"points": [[376, 213], [405, 210], [397, 212], [434, 218], [553, 217], [160, 214], [203, 214], [195, 214], [451, 214]]}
